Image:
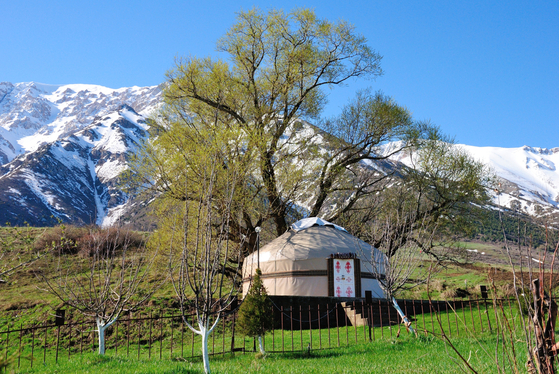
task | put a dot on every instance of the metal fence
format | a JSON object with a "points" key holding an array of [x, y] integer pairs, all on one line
{"points": [[297, 328]]}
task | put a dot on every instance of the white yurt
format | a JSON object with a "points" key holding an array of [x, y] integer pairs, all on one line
{"points": [[316, 258]]}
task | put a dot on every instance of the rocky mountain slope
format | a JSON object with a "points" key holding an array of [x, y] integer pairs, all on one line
{"points": [[62, 149], [528, 179]]}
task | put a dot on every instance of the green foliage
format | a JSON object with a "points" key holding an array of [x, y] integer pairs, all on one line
{"points": [[277, 68], [255, 316], [517, 227]]}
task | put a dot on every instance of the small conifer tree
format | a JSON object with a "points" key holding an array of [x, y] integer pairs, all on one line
{"points": [[255, 316]]}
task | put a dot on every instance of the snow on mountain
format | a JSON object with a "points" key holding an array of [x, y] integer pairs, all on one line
{"points": [[528, 176], [32, 114], [63, 149]]}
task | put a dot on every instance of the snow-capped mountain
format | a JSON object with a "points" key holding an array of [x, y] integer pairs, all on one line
{"points": [[528, 177], [32, 114], [63, 148]]}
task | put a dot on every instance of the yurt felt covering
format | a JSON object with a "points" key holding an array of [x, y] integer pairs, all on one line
{"points": [[296, 263]]}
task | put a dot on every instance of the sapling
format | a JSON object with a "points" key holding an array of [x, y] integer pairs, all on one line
{"points": [[255, 317]]}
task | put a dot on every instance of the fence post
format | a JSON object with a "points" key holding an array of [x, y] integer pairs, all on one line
{"points": [[486, 312], [369, 302], [319, 329], [338, 322], [7, 341], [139, 333], [364, 316], [32, 344], [172, 319], [44, 345], [472, 314], [479, 314], [161, 334], [81, 336], [423, 317], [150, 335], [69, 338], [328, 324], [456, 317], [234, 313], [20, 339], [380, 313], [448, 318], [57, 342], [355, 320], [301, 325], [310, 327], [346, 321], [372, 324], [431, 309], [282, 341], [291, 319], [389, 318]]}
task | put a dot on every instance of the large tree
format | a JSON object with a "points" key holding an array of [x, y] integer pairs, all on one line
{"points": [[275, 74], [262, 95]]}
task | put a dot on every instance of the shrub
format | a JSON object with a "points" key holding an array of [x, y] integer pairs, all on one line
{"points": [[438, 285], [111, 239], [86, 240], [255, 316], [61, 239]]}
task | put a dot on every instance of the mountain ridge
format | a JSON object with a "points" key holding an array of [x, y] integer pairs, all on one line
{"points": [[62, 148]]}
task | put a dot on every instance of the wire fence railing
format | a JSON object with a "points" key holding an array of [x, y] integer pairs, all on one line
{"points": [[297, 328]]}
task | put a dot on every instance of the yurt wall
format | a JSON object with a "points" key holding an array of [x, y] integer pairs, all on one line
{"points": [[315, 258]]}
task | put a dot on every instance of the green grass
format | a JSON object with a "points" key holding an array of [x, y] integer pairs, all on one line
{"points": [[406, 354], [331, 349]]}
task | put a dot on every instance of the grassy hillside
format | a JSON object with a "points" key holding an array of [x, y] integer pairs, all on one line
{"points": [[25, 291]]}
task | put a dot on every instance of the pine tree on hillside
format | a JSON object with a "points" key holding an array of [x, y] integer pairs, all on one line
{"points": [[255, 316]]}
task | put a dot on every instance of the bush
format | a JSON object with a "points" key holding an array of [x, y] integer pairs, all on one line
{"points": [[87, 240], [61, 239], [112, 239], [255, 313]]}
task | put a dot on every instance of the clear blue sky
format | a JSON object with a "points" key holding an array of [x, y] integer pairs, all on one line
{"points": [[486, 72]]}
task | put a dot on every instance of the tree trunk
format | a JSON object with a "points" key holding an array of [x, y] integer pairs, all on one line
{"points": [[101, 332], [260, 345], [101, 327], [205, 333]]}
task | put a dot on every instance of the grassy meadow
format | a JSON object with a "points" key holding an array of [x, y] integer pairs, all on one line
{"points": [[23, 303]]}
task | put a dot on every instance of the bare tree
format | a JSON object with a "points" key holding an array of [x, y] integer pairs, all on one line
{"points": [[533, 290], [401, 270], [107, 280], [199, 274]]}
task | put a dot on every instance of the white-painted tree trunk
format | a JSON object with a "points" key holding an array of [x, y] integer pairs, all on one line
{"points": [[407, 322], [205, 355], [101, 327], [204, 332], [260, 345]]}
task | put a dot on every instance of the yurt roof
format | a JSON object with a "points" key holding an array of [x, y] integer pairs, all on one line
{"points": [[313, 238]]}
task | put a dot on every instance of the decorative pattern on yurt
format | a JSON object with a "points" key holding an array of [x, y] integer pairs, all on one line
{"points": [[315, 258]]}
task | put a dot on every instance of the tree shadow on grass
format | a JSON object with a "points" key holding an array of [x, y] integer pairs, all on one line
{"points": [[316, 354]]}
